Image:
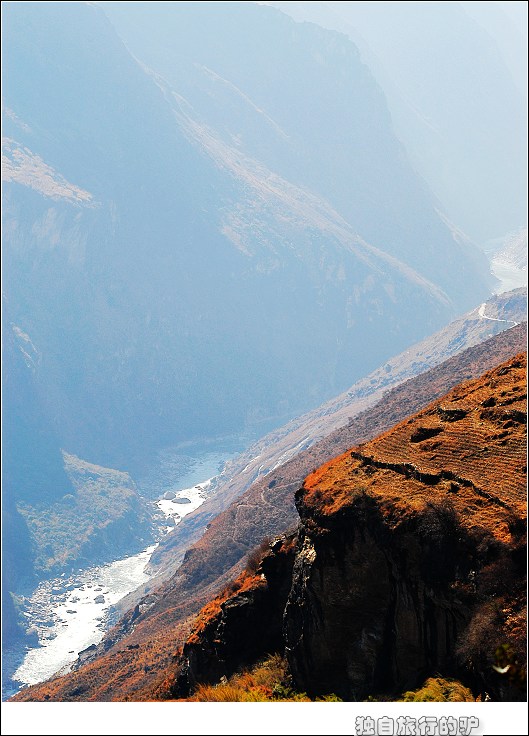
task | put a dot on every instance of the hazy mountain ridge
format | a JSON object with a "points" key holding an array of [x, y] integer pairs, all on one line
{"points": [[60, 512], [142, 306], [457, 102], [167, 193], [102, 518], [271, 212], [315, 136]]}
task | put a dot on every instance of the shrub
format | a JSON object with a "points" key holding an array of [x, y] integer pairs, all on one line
{"points": [[268, 681], [254, 558], [439, 690]]}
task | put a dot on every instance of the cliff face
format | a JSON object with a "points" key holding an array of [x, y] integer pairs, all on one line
{"points": [[409, 560], [251, 610], [401, 541], [365, 614]]}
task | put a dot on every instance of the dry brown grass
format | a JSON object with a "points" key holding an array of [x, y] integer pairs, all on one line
{"points": [[245, 582], [267, 682], [485, 446], [439, 690]]}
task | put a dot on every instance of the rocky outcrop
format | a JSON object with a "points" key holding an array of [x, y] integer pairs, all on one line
{"points": [[404, 540], [250, 611], [365, 614]]}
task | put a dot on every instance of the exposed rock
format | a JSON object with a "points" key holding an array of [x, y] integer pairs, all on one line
{"points": [[361, 617], [398, 553], [99, 599], [85, 653], [386, 581], [425, 433], [250, 611]]}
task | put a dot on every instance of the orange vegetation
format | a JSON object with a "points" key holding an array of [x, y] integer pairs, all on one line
{"points": [[468, 448], [245, 582]]}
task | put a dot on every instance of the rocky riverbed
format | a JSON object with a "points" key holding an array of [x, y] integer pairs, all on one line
{"points": [[70, 613]]}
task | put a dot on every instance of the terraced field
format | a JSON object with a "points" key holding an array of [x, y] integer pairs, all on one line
{"points": [[468, 449]]}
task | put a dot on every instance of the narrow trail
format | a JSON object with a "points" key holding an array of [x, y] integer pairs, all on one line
{"points": [[482, 315]]}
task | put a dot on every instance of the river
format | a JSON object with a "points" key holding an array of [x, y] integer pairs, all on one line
{"points": [[70, 613]]}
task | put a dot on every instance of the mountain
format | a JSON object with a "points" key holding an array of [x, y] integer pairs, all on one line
{"points": [[272, 452], [59, 512], [508, 257], [211, 227], [409, 561], [172, 271], [506, 23], [160, 622], [455, 77], [244, 71], [31, 463]]}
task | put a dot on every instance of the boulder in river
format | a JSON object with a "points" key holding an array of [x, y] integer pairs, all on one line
{"points": [[83, 654]]}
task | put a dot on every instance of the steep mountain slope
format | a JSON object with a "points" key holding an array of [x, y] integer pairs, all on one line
{"points": [[507, 24], [31, 463], [456, 100], [288, 95], [277, 448], [267, 507], [410, 560], [58, 511], [173, 279], [437, 508], [154, 629]]}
